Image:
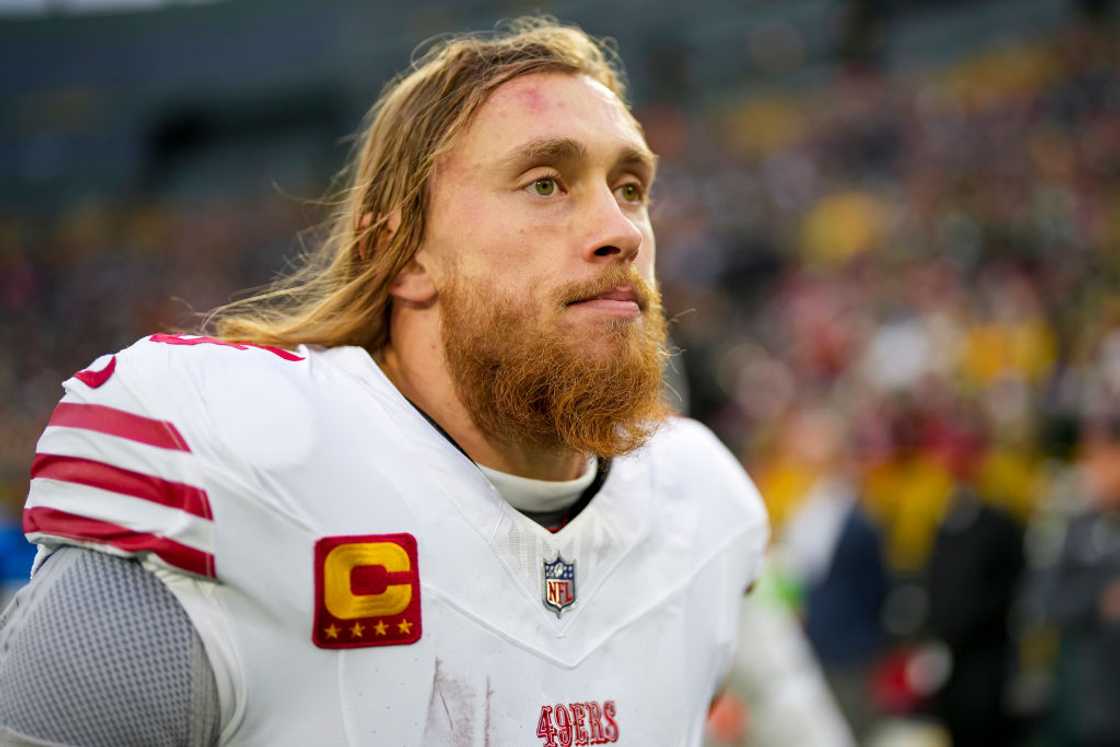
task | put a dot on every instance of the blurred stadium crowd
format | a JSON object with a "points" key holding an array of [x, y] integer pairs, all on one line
{"points": [[897, 298]]}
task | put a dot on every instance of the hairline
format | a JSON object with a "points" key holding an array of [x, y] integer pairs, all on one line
{"points": [[637, 152]]}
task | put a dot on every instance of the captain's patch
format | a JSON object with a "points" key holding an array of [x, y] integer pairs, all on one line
{"points": [[367, 591]]}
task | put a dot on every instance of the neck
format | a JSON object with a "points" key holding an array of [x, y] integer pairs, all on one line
{"points": [[419, 372]]}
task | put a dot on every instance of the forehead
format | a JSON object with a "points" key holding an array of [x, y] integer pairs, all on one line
{"points": [[547, 105]]}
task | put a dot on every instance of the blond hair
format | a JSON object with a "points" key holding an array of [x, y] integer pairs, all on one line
{"points": [[339, 293]]}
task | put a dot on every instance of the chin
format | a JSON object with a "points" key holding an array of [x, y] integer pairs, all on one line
{"points": [[604, 340], [589, 328]]}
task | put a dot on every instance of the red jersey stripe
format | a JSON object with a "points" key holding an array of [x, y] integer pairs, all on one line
{"points": [[94, 379], [115, 422], [63, 524], [180, 340], [117, 480]]}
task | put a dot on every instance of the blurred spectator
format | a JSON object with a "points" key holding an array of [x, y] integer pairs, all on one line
{"points": [[829, 550], [1083, 601], [972, 579]]}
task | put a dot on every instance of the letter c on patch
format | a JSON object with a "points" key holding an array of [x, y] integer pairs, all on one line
{"points": [[338, 596]]}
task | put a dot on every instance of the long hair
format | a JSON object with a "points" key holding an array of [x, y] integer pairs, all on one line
{"points": [[339, 293]]}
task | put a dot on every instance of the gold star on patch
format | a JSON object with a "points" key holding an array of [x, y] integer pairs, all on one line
{"points": [[380, 628], [331, 631], [405, 627], [357, 630]]}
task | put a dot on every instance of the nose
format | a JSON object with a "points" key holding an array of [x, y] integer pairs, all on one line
{"points": [[613, 236]]}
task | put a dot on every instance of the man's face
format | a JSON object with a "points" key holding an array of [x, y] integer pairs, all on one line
{"points": [[539, 243], [547, 187]]}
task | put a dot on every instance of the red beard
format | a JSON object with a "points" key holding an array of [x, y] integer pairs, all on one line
{"points": [[525, 382]]}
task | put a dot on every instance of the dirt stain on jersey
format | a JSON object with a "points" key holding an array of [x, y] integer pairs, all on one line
{"points": [[456, 710]]}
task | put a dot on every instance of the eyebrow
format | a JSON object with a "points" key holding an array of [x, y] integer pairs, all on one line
{"points": [[559, 150]]}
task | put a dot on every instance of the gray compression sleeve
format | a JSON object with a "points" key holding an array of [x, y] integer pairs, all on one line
{"points": [[97, 651]]}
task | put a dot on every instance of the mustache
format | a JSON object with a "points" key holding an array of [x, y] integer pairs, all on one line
{"points": [[645, 294]]}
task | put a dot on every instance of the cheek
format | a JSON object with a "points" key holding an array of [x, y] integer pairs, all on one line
{"points": [[647, 260], [483, 247], [509, 287], [535, 294], [472, 226]]}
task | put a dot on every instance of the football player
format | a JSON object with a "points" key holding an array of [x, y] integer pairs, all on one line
{"points": [[426, 491]]}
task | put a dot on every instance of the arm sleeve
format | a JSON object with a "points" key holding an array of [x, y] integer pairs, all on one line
{"points": [[94, 651]]}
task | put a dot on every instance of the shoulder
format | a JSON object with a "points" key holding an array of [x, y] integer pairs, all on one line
{"points": [[166, 372], [206, 389], [705, 498], [123, 465], [160, 359], [702, 485], [241, 398], [686, 452], [690, 439], [163, 349]]}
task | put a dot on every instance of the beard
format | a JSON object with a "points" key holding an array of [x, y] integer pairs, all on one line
{"points": [[593, 387]]}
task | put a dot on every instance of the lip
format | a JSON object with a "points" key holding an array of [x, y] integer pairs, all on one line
{"points": [[621, 301], [621, 293]]}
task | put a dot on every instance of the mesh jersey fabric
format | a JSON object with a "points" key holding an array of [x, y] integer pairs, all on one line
{"points": [[94, 651]]}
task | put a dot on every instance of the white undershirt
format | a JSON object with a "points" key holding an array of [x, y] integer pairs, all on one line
{"points": [[540, 496]]}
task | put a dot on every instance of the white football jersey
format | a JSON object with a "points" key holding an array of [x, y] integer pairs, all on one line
{"points": [[355, 578]]}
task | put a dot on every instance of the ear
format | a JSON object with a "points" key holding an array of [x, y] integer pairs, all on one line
{"points": [[414, 284], [391, 224]]}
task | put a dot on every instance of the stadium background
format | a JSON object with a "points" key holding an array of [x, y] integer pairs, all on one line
{"points": [[888, 235]]}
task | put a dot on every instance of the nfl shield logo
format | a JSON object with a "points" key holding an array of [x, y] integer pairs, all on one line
{"points": [[559, 585]]}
